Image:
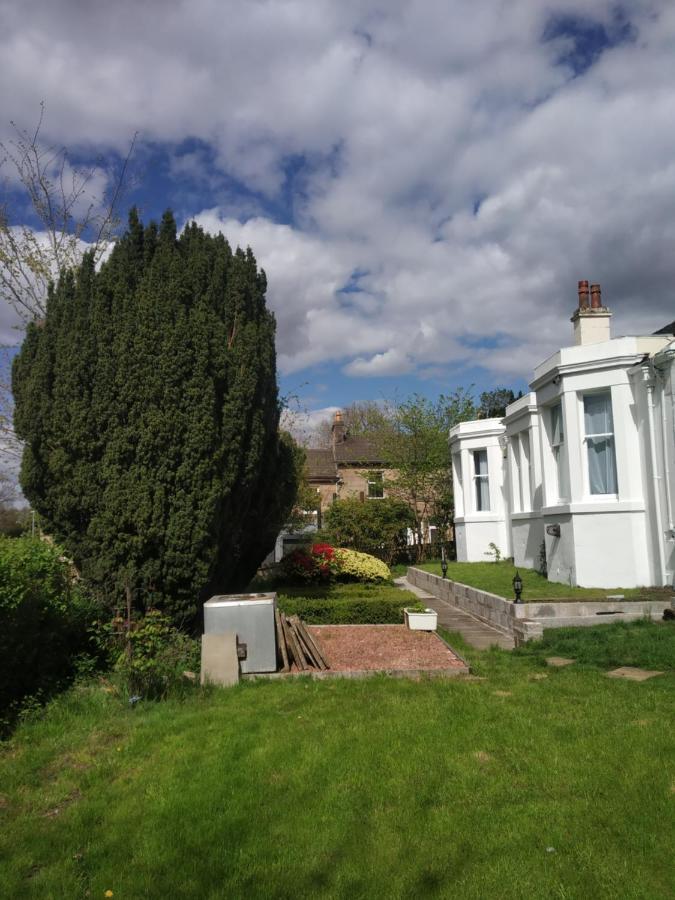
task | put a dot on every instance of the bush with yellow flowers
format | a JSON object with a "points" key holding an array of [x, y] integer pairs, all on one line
{"points": [[355, 566]]}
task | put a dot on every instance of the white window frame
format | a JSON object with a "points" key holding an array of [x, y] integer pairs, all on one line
{"points": [[559, 452], [610, 436], [478, 478], [373, 482], [458, 484], [526, 470]]}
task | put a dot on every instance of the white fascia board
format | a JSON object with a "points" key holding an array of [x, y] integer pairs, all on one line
{"points": [[528, 403], [476, 428], [619, 352]]}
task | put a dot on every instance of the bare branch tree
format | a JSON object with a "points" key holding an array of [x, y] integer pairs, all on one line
{"points": [[70, 211], [69, 216]]}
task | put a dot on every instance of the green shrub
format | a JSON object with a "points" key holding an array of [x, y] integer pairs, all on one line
{"points": [[151, 656], [355, 566], [321, 563], [319, 611], [44, 620], [313, 563], [377, 527]]}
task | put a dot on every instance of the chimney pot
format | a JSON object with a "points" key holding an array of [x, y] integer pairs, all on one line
{"points": [[596, 296], [583, 295]]}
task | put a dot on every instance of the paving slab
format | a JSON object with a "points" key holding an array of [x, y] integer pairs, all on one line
{"points": [[632, 674], [220, 664], [476, 633], [559, 661]]}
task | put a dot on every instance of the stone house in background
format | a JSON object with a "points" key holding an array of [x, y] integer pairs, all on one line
{"points": [[580, 473], [352, 467]]}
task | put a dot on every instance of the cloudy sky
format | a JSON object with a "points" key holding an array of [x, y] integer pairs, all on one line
{"points": [[424, 182]]}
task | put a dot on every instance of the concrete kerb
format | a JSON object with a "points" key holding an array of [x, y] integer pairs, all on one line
{"points": [[526, 621]]}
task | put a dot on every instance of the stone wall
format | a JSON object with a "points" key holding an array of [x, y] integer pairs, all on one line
{"points": [[526, 620]]}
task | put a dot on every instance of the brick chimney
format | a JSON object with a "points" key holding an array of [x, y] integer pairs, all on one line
{"points": [[338, 431], [591, 322]]}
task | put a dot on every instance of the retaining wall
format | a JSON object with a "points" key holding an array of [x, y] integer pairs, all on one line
{"points": [[527, 620]]}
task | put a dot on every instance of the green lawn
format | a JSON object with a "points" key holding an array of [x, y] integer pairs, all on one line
{"points": [[497, 578], [525, 782], [648, 645]]}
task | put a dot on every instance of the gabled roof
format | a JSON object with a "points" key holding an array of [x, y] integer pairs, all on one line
{"points": [[354, 451], [321, 465], [357, 451], [667, 329]]}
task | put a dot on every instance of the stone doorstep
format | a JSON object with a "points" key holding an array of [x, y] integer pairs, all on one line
{"points": [[632, 674]]}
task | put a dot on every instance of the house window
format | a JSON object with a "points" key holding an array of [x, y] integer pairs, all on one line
{"points": [[599, 428], [457, 490], [559, 450], [517, 475], [480, 478], [526, 470], [375, 486]]}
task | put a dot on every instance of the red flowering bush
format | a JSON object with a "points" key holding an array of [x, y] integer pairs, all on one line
{"points": [[307, 564]]}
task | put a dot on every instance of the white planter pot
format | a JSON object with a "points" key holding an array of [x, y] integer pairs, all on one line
{"points": [[426, 620]]}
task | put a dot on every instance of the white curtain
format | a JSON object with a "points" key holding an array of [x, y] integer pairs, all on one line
{"points": [[599, 428]]}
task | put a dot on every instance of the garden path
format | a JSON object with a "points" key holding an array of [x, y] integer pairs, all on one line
{"points": [[451, 618]]}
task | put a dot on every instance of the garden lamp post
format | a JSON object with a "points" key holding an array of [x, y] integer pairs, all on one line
{"points": [[444, 563], [517, 586]]}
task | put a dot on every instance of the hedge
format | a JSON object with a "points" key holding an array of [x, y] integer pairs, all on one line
{"points": [[318, 611]]}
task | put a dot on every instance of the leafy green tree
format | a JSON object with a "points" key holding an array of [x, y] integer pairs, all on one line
{"points": [[493, 403], [147, 400], [377, 527], [412, 435], [360, 417]]}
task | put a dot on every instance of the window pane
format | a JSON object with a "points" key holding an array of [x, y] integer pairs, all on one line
{"points": [[480, 462], [598, 414], [375, 485], [483, 494], [601, 466], [557, 429]]}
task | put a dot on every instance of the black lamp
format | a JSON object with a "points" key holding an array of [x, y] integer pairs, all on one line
{"points": [[444, 563], [517, 586]]}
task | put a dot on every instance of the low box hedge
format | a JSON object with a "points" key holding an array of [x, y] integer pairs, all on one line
{"points": [[357, 611]]}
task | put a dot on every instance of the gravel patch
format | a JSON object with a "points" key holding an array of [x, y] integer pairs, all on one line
{"points": [[357, 648]]}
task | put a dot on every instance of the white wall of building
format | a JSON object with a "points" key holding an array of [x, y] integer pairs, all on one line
{"points": [[524, 500], [589, 470], [476, 528]]}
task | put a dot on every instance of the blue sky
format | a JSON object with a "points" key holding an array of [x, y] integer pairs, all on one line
{"points": [[423, 185]]}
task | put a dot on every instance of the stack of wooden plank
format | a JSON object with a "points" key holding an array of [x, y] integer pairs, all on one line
{"points": [[297, 646]]}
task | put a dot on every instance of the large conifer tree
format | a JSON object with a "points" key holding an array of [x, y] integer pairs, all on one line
{"points": [[147, 400]]}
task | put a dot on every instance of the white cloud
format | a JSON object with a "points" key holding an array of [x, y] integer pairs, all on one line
{"points": [[410, 115], [391, 362]]}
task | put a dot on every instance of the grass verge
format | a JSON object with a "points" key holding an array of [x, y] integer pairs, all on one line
{"points": [[523, 782]]}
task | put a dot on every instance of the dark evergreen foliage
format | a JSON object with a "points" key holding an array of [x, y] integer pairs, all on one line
{"points": [[148, 402]]}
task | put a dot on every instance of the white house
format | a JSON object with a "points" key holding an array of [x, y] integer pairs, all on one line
{"points": [[579, 475]]}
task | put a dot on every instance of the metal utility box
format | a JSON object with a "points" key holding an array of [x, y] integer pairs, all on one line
{"points": [[251, 617]]}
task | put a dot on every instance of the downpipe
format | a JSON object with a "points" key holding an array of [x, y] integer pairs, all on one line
{"points": [[648, 376]]}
